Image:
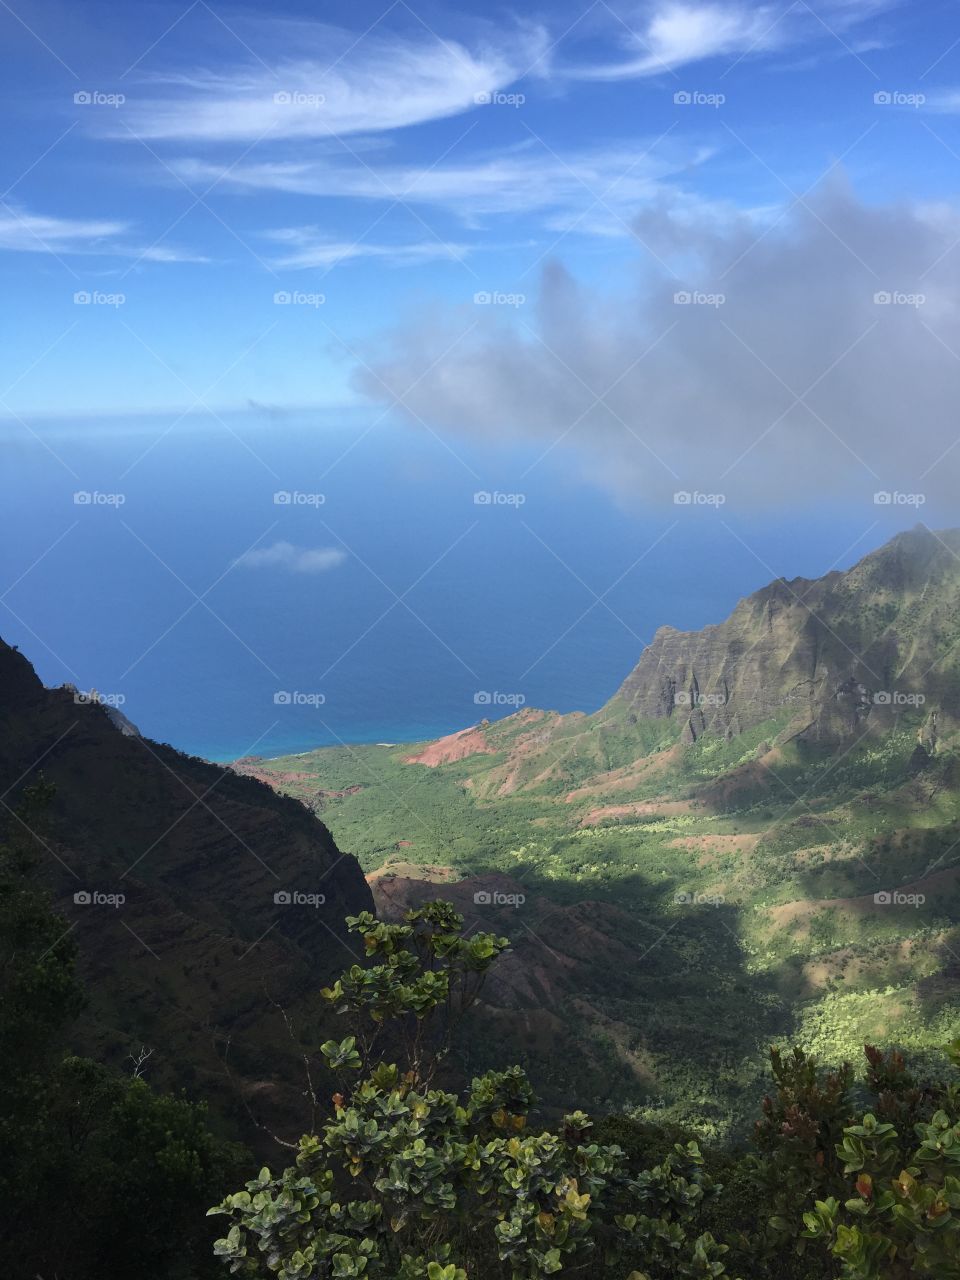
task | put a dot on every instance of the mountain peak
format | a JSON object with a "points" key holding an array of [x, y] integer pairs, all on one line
{"points": [[822, 658]]}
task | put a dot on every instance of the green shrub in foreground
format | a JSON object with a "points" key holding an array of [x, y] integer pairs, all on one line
{"points": [[409, 1182], [852, 1179], [903, 1220]]}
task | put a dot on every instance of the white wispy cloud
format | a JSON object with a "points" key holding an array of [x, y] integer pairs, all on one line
{"points": [[42, 233], [301, 247], [666, 36], [284, 555], [676, 34], [166, 253], [336, 85], [24, 232], [523, 179], [945, 101]]}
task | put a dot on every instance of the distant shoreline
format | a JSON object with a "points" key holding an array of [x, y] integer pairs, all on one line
{"points": [[299, 748]]}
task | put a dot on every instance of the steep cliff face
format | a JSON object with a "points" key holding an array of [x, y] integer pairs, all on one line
{"points": [[832, 656], [200, 950]]}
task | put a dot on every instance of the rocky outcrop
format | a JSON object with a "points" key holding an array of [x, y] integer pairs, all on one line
{"points": [[114, 714], [830, 656]]}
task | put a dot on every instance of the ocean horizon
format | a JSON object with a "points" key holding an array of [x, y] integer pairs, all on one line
{"points": [[396, 590]]}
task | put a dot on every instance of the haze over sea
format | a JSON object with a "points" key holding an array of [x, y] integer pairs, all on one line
{"points": [[428, 610]]}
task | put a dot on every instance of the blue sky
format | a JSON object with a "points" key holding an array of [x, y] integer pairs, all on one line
{"points": [[394, 158], [677, 283]]}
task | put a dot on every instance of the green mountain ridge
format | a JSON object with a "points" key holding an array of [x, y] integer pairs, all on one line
{"points": [[756, 838]]}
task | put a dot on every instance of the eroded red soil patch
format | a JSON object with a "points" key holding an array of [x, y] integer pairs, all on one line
{"points": [[455, 746]]}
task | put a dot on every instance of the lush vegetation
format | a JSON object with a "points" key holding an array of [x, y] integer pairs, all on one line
{"points": [[422, 1172], [779, 937], [853, 1179]]}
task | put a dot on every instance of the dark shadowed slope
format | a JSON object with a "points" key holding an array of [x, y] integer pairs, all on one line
{"points": [[200, 952]]}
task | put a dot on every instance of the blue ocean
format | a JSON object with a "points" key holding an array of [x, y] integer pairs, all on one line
{"points": [[260, 584]]}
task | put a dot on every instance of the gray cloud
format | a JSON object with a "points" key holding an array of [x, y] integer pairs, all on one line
{"points": [[803, 381]]}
